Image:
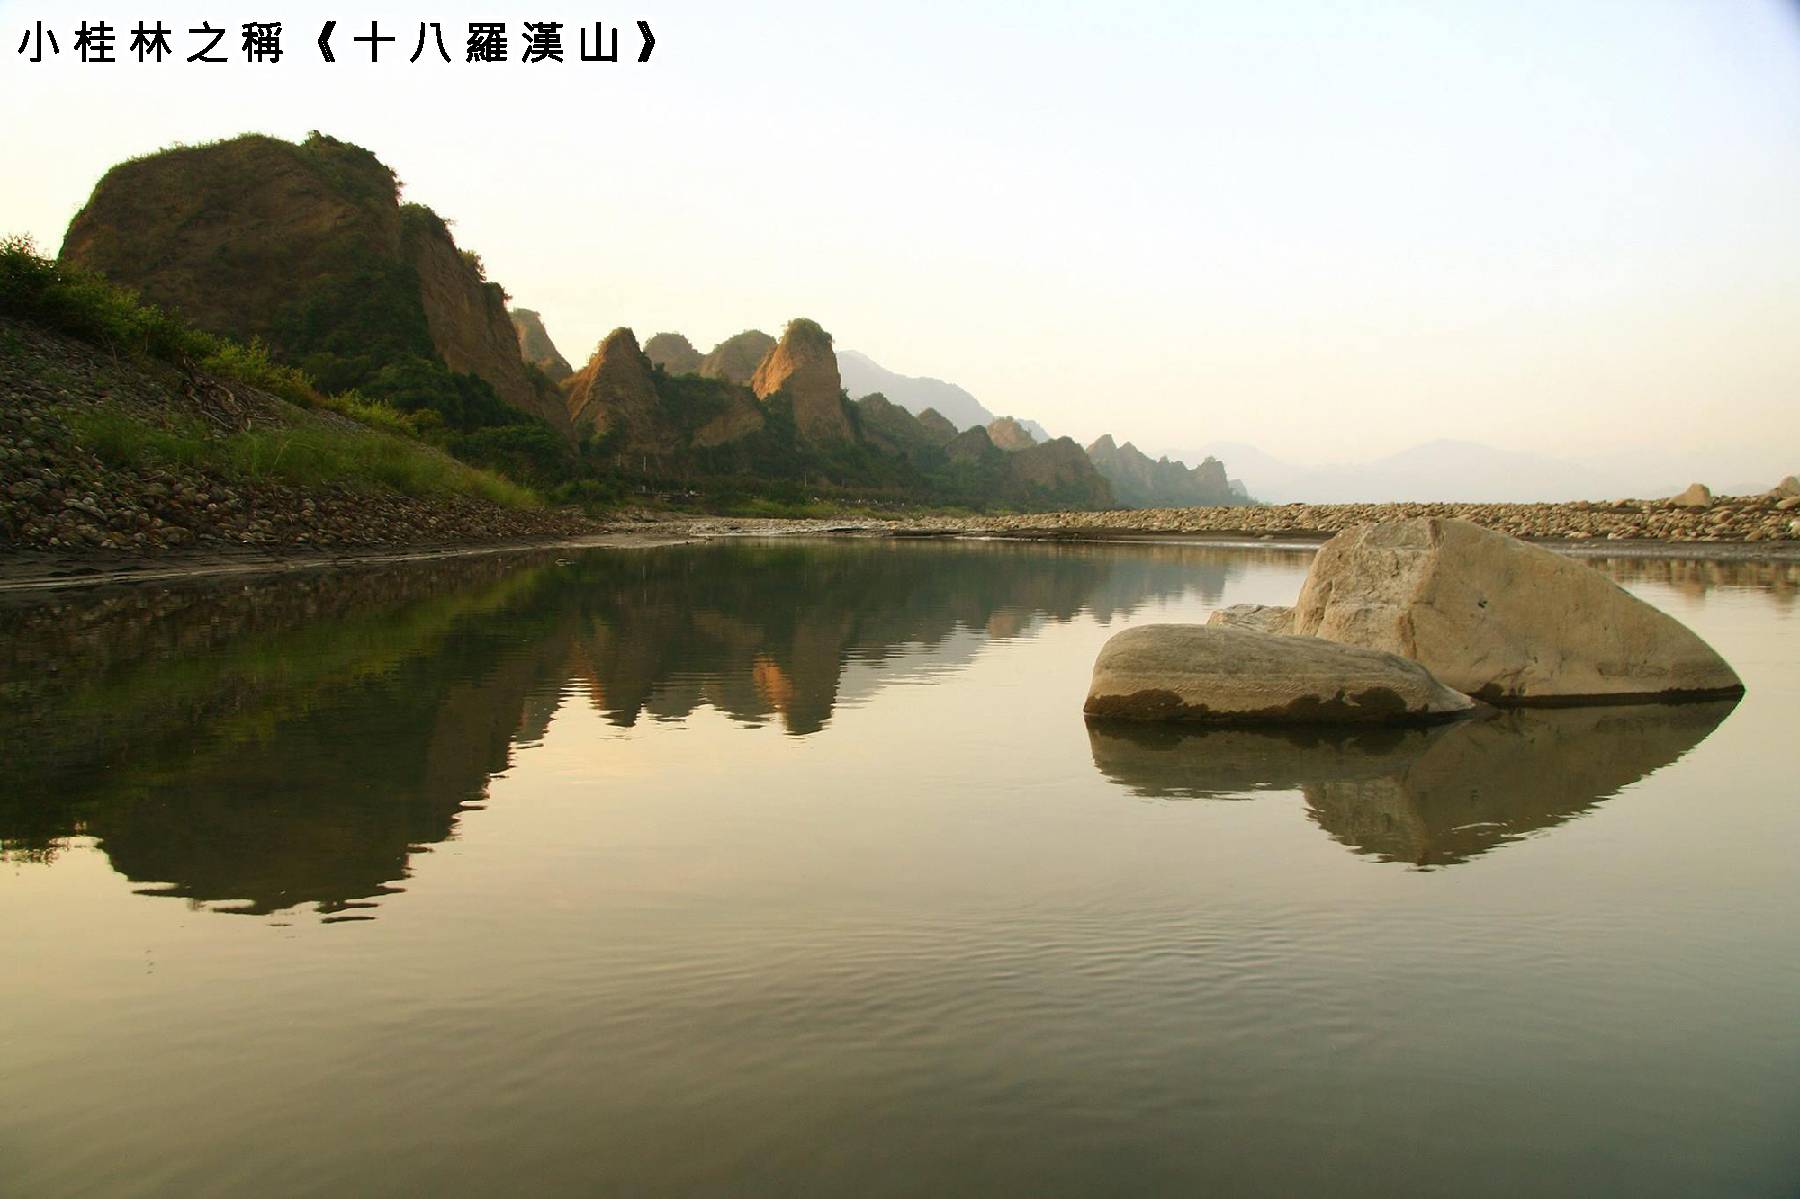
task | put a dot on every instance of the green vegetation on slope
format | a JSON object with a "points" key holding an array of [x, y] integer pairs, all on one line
{"points": [[308, 455], [384, 452], [87, 307]]}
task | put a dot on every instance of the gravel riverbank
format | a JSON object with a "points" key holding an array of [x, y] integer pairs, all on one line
{"points": [[1731, 526], [1746, 519]]}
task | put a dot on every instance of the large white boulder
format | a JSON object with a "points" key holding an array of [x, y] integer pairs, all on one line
{"points": [[1222, 675], [1504, 621]]}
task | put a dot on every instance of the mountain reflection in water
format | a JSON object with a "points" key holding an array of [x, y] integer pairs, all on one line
{"points": [[296, 740], [1430, 797]]}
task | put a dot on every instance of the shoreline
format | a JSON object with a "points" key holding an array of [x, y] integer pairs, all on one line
{"points": [[32, 571]]}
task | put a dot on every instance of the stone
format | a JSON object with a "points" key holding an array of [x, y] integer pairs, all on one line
{"points": [[1504, 621], [1787, 488], [1697, 495], [1258, 618], [1209, 674]]}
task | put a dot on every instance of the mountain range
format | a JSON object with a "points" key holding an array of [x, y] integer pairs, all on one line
{"points": [[307, 250]]}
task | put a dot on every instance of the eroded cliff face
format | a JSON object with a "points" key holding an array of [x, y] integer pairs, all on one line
{"points": [[614, 395], [467, 317], [536, 347], [736, 358], [307, 248], [804, 368]]}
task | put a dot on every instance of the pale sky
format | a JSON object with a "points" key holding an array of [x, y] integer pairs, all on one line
{"points": [[1331, 229]]}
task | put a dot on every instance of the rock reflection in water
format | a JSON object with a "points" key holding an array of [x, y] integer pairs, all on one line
{"points": [[1428, 797], [296, 740]]}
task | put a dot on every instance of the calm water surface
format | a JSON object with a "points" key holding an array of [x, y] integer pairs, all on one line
{"points": [[787, 869]]}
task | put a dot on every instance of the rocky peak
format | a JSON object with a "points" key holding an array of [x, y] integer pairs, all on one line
{"points": [[937, 426], [1007, 433], [971, 447], [673, 353], [615, 395], [536, 347], [804, 368], [1059, 472], [736, 358]]}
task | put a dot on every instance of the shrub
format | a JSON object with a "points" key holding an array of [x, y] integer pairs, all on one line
{"points": [[534, 452], [461, 401]]}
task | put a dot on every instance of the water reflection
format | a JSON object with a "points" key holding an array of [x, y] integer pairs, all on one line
{"points": [[1693, 578], [763, 631], [296, 740], [1428, 797]]}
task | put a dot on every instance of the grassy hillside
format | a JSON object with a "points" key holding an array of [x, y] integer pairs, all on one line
{"points": [[127, 428]]}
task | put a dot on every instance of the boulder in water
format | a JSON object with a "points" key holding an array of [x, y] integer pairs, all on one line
{"points": [[1502, 620], [1220, 675]]}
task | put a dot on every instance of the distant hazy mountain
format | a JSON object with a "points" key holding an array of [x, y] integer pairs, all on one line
{"points": [[1437, 470], [863, 376]]}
